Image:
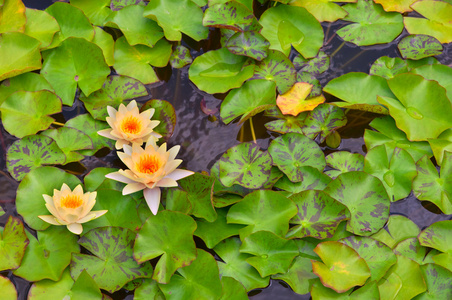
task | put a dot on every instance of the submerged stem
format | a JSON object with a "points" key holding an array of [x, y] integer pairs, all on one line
{"points": [[252, 130], [58, 123], [337, 49], [352, 59]]}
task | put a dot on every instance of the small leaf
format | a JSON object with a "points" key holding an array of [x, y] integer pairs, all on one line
{"points": [[13, 243], [437, 236], [165, 113], [180, 57], [314, 66], [294, 100], [231, 15], [313, 179], [343, 162], [299, 276], [419, 46], [248, 43], [323, 121], [323, 11], [388, 67], [398, 228], [400, 5]]}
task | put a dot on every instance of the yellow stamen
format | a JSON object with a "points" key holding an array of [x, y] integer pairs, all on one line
{"points": [[71, 201], [148, 164], [131, 125]]}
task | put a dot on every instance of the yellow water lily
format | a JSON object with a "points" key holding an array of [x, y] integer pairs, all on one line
{"points": [[128, 125], [71, 208], [149, 169]]}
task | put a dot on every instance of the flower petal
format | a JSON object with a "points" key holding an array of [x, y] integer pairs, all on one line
{"points": [[132, 188], [118, 177], [106, 133], [127, 149], [166, 182], [179, 174], [132, 104], [75, 228], [152, 197], [49, 219], [111, 111], [173, 152]]}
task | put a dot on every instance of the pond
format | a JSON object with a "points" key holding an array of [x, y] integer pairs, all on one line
{"points": [[278, 259]]}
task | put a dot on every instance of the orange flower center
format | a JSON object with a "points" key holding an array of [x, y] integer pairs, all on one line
{"points": [[71, 201], [131, 125], [149, 164]]}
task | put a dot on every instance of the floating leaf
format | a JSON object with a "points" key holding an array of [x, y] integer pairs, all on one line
{"points": [[19, 53], [419, 46], [177, 17], [13, 243], [253, 97], [8, 289], [292, 152], [232, 289], [114, 90], [288, 123], [41, 26], [366, 198], [218, 71], [342, 267], [248, 43], [318, 215], [76, 62], [106, 44], [32, 152], [412, 249], [323, 120], [299, 276], [313, 179], [442, 144], [234, 265], [294, 100], [149, 289], [295, 26], [399, 5], [397, 229], [388, 67], [12, 16], [119, 4], [30, 82], [311, 79], [343, 162], [323, 11], [96, 11], [438, 280], [168, 233], [314, 66], [440, 73], [246, 165], [372, 25], [180, 57], [48, 255], [274, 209], [230, 15], [437, 22], [164, 112], [437, 236], [111, 264], [25, 113]]}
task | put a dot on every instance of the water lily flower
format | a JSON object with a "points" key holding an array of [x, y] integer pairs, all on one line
{"points": [[128, 125], [71, 208], [149, 169]]}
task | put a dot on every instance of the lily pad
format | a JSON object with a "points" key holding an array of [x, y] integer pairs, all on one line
{"points": [[292, 152], [343, 162], [12, 14], [96, 11], [25, 113], [164, 112], [76, 62], [13, 243], [295, 27], [288, 123], [412, 249], [119, 4], [437, 236], [294, 101], [398, 228], [48, 255], [388, 67], [218, 71], [299, 276], [366, 198], [106, 44], [419, 46], [318, 215], [437, 22], [323, 11], [438, 280], [8, 289], [322, 121], [19, 53], [246, 165], [169, 235], [315, 66], [41, 26], [32, 152], [114, 90], [253, 97], [440, 73], [248, 43], [342, 267], [30, 82], [177, 17], [399, 5], [180, 57], [111, 264], [442, 144], [230, 15], [372, 25], [232, 289], [274, 209], [313, 179]]}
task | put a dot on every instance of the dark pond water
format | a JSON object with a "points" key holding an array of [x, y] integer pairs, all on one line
{"points": [[204, 139]]}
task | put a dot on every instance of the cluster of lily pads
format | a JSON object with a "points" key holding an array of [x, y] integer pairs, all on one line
{"points": [[318, 222]]}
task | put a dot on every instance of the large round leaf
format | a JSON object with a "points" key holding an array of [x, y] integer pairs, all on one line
{"points": [[419, 46], [112, 264], [13, 243], [366, 198], [41, 26], [292, 152]]}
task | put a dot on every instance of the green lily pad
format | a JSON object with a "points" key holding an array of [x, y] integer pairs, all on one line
{"points": [[437, 22], [234, 265], [165, 113], [389, 135], [13, 243], [199, 280], [180, 57], [397, 229], [442, 144], [48, 255], [299, 276], [248, 43], [119, 4], [342, 267], [111, 264], [318, 215], [32, 152], [43, 180], [177, 17], [295, 26], [30, 82], [313, 179], [400, 5], [372, 25], [218, 71], [440, 73], [396, 170], [278, 68], [230, 15], [253, 97], [12, 14], [274, 209], [148, 289], [136, 61], [168, 233], [82, 288], [114, 90], [292, 152], [437, 236], [366, 198], [106, 44], [76, 62], [41, 26], [359, 91], [19, 53], [25, 113], [96, 11], [288, 123], [343, 162], [323, 120], [430, 186], [246, 165], [412, 249], [315, 66], [419, 46], [136, 29], [8, 289], [323, 11], [232, 289], [439, 282], [388, 67], [271, 254], [96, 179], [377, 255]]}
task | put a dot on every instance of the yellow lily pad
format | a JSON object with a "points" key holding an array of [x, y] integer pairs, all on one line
{"points": [[294, 101]]}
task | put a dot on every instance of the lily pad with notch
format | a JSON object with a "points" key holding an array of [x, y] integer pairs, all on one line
{"points": [[322, 121], [313, 179], [248, 43], [397, 229], [440, 73], [13, 242], [437, 236], [343, 162], [412, 249], [388, 67], [441, 144], [419, 46], [41, 26], [299, 276], [230, 15], [96, 11]]}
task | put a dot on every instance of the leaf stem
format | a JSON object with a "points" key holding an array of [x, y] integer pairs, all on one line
{"points": [[58, 123], [252, 130], [352, 59], [337, 49], [241, 134]]}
